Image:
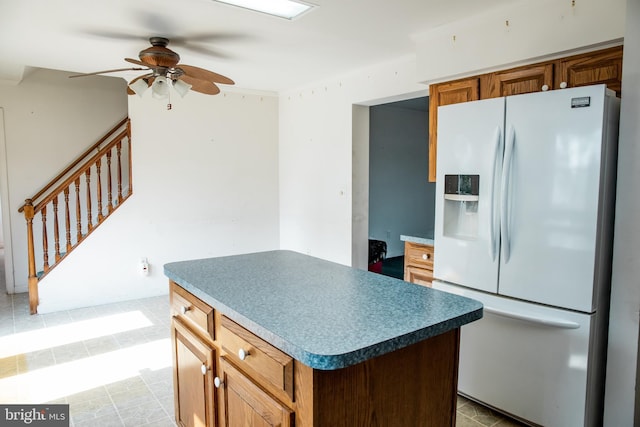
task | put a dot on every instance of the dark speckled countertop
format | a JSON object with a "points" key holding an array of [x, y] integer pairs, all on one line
{"points": [[323, 314]]}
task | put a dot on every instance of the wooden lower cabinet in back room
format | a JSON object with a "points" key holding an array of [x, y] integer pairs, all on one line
{"points": [[418, 263]]}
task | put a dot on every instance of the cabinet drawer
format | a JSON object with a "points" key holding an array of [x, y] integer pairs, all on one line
{"points": [[191, 309], [263, 359], [419, 276], [418, 255]]}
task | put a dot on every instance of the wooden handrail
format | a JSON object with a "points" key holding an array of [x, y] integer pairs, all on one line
{"points": [[76, 161], [81, 171]]}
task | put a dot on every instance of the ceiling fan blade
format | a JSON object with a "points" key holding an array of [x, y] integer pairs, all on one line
{"points": [[135, 61], [106, 71], [209, 37], [144, 76], [202, 86], [115, 35], [207, 51], [202, 74]]}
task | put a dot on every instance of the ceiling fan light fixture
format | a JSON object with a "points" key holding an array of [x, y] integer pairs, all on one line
{"points": [[159, 88], [140, 86], [181, 87], [287, 9]]}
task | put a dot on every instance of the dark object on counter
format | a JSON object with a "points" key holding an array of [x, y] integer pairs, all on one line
{"points": [[377, 252]]}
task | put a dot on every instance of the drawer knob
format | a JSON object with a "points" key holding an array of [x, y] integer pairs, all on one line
{"points": [[203, 369], [184, 309], [243, 354], [217, 382], [426, 256]]}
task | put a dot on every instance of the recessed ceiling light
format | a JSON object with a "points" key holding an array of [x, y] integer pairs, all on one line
{"points": [[288, 9]]}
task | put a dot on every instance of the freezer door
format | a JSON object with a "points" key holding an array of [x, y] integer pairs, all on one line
{"points": [[466, 233], [551, 184], [526, 360]]}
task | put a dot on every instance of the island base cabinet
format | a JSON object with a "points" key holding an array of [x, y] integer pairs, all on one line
{"points": [[415, 386], [227, 376], [194, 368], [245, 404]]}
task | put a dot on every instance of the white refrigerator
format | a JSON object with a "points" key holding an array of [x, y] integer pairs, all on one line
{"points": [[525, 194]]}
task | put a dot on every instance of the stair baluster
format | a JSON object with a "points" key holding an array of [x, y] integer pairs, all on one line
{"points": [[88, 164], [67, 220], [109, 189], [45, 241], [119, 155], [56, 231]]}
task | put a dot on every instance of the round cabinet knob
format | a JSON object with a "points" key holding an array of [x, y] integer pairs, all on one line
{"points": [[545, 88], [563, 85], [217, 382], [243, 354], [426, 256], [184, 309], [203, 369]]}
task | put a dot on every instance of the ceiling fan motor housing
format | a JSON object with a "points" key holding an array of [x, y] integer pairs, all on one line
{"points": [[158, 54]]}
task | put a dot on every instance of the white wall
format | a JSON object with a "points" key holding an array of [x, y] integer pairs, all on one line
{"points": [[316, 156], [360, 187], [535, 29], [621, 390], [205, 183], [49, 120]]}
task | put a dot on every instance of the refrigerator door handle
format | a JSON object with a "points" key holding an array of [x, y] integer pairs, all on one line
{"points": [[504, 194], [546, 321], [493, 227]]}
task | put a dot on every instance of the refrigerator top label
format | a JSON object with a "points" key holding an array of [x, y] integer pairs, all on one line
{"points": [[583, 101]]}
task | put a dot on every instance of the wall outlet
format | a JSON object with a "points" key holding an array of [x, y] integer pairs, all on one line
{"points": [[144, 267]]}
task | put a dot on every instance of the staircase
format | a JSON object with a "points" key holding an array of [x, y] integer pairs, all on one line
{"points": [[90, 189]]}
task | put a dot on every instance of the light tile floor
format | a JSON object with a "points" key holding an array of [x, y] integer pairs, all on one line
{"points": [[472, 414], [111, 364]]}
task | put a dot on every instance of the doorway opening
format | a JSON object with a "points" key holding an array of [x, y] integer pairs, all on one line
{"points": [[401, 200]]}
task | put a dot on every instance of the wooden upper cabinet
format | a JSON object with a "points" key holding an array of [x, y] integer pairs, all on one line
{"points": [[519, 80], [444, 94], [603, 66]]}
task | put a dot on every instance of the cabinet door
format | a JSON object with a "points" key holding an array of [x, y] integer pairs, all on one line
{"points": [[444, 94], [194, 370], [603, 66], [419, 276], [519, 80], [244, 404]]}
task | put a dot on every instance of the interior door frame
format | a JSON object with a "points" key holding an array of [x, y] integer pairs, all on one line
{"points": [[4, 209]]}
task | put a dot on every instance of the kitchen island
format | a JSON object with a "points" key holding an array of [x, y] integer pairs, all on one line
{"points": [[277, 338]]}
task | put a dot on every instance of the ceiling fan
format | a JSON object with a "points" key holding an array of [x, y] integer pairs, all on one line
{"points": [[164, 69]]}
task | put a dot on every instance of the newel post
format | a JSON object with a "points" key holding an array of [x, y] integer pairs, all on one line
{"points": [[29, 213]]}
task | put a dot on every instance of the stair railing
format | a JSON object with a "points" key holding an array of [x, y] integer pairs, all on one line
{"points": [[80, 187]]}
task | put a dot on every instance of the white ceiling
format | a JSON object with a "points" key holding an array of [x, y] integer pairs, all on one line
{"points": [[258, 51]]}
